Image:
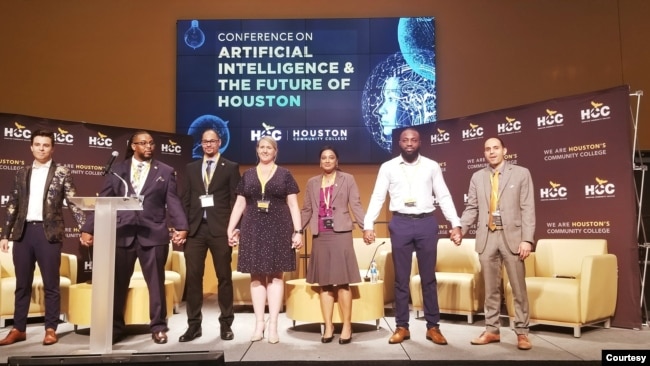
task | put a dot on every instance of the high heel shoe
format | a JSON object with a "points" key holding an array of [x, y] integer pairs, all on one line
{"points": [[327, 339], [273, 333], [259, 334], [345, 341]]}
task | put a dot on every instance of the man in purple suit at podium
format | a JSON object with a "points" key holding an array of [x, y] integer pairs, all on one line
{"points": [[143, 235]]}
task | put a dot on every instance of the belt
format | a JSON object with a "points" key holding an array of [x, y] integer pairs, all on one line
{"points": [[34, 222], [413, 216]]}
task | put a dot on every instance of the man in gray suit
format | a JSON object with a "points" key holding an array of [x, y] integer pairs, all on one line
{"points": [[505, 218]]}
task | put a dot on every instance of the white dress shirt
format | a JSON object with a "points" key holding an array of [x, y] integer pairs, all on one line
{"points": [[37, 190], [420, 182]]}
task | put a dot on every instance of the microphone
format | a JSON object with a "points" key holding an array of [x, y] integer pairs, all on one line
{"points": [[107, 167], [366, 278]]}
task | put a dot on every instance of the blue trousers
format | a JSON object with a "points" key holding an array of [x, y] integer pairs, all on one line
{"points": [[410, 235], [34, 248]]}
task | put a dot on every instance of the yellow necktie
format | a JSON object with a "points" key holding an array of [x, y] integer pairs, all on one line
{"points": [[494, 199], [136, 177]]}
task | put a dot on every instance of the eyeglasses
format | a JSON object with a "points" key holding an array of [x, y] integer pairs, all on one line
{"points": [[209, 142], [145, 143]]}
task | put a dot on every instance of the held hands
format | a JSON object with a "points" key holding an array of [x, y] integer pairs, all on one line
{"points": [[86, 239], [233, 237], [456, 235], [369, 236], [4, 245], [179, 237], [296, 241]]}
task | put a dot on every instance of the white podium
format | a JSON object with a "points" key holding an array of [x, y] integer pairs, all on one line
{"points": [[103, 277]]}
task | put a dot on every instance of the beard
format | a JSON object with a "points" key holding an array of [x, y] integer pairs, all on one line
{"points": [[410, 156]]}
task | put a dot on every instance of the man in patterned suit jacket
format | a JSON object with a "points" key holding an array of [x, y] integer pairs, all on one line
{"points": [[35, 224]]}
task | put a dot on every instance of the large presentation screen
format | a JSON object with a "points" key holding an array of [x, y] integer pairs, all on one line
{"points": [[307, 83]]}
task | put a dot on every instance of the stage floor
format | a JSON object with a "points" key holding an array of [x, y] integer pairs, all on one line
{"points": [[302, 342]]}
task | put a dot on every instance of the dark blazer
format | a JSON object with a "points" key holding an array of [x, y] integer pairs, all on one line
{"points": [[516, 204], [222, 188], [162, 206], [58, 186], [345, 198]]}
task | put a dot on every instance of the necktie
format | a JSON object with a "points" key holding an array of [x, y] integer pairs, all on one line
{"points": [[208, 172], [137, 174], [494, 198]]}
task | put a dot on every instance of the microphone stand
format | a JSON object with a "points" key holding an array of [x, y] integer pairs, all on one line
{"points": [[366, 278], [126, 186]]}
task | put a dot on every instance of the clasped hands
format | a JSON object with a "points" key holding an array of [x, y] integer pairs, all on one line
{"points": [[178, 238], [455, 234]]}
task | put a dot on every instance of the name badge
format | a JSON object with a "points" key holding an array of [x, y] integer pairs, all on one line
{"points": [[206, 200], [328, 222], [409, 202], [496, 218], [263, 206]]}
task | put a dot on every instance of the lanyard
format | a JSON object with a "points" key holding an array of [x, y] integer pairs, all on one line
{"points": [[262, 180], [207, 176], [327, 193]]}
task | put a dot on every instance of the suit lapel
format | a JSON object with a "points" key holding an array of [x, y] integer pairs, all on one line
{"points": [[338, 183], [48, 182], [151, 176]]}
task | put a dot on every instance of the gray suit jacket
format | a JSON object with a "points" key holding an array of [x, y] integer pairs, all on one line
{"points": [[516, 203], [345, 198]]}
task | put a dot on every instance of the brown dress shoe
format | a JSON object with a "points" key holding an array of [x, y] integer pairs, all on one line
{"points": [[401, 334], [159, 337], [523, 343], [13, 336], [434, 335], [50, 337], [487, 337]]}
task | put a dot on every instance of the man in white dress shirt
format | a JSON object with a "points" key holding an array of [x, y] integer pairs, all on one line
{"points": [[413, 183]]}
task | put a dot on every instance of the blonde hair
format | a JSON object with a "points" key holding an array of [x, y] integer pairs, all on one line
{"points": [[271, 141], [268, 139]]}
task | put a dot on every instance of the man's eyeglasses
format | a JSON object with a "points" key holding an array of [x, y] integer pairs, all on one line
{"points": [[145, 143], [209, 142]]}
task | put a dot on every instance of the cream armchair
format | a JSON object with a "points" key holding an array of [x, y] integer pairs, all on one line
{"points": [[68, 276], [460, 283], [570, 283], [384, 259], [174, 271]]}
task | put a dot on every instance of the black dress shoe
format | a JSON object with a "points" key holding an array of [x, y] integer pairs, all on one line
{"points": [[159, 337], [226, 333], [190, 334]]}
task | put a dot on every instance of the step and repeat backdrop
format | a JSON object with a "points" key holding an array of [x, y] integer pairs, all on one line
{"points": [[85, 148], [579, 152]]}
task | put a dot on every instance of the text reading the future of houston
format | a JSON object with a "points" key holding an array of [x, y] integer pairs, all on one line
{"points": [[274, 75]]}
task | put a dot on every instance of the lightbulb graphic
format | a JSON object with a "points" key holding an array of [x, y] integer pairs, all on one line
{"points": [[194, 36]]}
